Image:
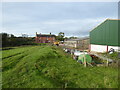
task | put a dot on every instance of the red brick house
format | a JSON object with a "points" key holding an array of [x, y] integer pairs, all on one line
{"points": [[44, 38]]}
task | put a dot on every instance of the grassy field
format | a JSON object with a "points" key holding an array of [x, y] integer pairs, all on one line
{"points": [[50, 67]]}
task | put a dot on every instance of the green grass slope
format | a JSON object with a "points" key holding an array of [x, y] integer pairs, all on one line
{"points": [[49, 67]]}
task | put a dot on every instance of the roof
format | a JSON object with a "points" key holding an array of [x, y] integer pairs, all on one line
{"points": [[83, 38], [45, 35], [102, 23]]}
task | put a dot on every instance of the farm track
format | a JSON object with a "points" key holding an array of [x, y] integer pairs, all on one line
{"points": [[10, 53], [14, 63], [11, 56], [15, 59], [17, 53]]}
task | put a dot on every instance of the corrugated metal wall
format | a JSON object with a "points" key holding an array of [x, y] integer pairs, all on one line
{"points": [[119, 25], [106, 33]]}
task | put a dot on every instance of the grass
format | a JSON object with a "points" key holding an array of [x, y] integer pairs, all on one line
{"points": [[50, 67]]}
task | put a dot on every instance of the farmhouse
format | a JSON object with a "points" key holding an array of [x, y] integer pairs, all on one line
{"points": [[44, 38], [105, 36]]}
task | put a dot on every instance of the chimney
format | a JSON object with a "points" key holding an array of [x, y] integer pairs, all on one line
{"points": [[50, 33], [36, 33]]}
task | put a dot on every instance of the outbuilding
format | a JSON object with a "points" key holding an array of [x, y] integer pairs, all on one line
{"points": [[105, 36], [80, 43]]}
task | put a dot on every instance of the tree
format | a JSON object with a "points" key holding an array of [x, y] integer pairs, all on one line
{"points": [[5, 39], [65, 38], [11, 40], [60, 36], [73, 37]]}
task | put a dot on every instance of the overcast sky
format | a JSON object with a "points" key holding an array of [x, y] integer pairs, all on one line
{"points": [[72, 18]]}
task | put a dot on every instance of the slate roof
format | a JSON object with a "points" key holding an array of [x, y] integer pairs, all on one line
{"points": [[45, 35]]}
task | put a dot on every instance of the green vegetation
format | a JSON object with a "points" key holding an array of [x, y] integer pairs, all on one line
{"points": [[113, 56], [49, 67], [60, 36], [9, 40]]}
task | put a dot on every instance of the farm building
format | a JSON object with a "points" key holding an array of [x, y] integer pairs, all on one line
{"points": [[81, 43], [71, 43], [84, 43], [105, 36], [44, 38]]}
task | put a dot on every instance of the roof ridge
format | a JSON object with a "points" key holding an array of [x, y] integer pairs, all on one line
{"points": [[45, 34], [102, 23], [112, 19]]}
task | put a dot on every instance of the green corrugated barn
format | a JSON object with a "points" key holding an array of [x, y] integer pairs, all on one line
{"points": [[105, 36]]}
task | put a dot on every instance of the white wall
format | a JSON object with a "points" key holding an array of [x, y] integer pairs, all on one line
{"points": [[102, 48], [116, 48], [98, 48]]}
